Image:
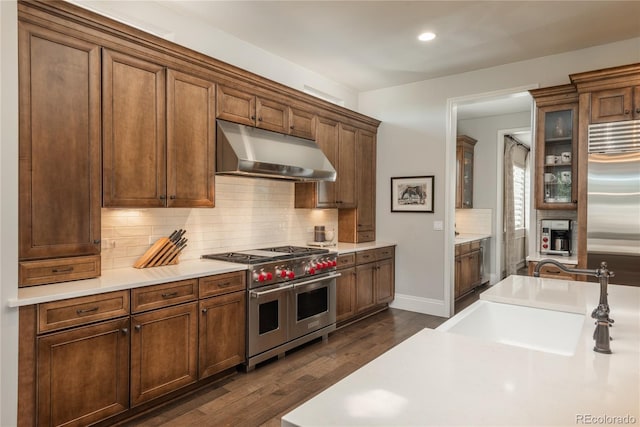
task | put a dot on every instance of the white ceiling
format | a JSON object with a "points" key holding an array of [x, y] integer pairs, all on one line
{"points": [[368, 45]]}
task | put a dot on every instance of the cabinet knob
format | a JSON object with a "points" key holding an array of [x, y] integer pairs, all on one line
{"points": [[204, 310], [253, 117], [138, 327], [125, 331], [259, 119], [626, 112], [172, 197], [291, 127], [163, 196], [638, 110]]}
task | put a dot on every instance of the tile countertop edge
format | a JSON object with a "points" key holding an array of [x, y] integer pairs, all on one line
{"points": [[122, 279]]}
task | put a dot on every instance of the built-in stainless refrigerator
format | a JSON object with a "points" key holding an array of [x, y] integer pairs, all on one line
{"points": [[613, 205]]}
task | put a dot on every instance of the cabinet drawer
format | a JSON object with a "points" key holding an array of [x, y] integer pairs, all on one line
{"points": [[475, 246], [346, 260], [365, 256], [463, 248], [222, 284], [366, 236], [384, 253], [41, 272], [83, 310], [150, 297]]}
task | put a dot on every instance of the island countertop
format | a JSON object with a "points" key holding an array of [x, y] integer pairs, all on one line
{"points": [[441, 378]]}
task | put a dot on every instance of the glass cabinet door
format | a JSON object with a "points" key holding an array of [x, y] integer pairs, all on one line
{"points": [[467, 177], [557, 145]]}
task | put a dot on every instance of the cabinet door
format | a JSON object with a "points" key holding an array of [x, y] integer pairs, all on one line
{"points": [[346, 294], [346, 183], [321, 194], [164, 351], [83, 374], [366, 183], [190, 141], [134, 118], [612, 105], [222, 333], [458, 277], [385, 282], [272, 115], [302, 123], [556, 155], [236, 106], [59, 154], [365, 286]]}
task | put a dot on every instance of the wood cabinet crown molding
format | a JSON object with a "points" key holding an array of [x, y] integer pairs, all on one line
{"points": [[554, 95], [607, 78], [116, 35]]}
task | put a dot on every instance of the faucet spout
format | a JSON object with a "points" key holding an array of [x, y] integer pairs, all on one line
{"points": [[601, 312]]}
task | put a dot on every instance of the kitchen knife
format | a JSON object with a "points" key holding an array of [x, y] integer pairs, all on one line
{"points": [[175, 255]]}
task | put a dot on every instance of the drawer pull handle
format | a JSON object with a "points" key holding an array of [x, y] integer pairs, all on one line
{"points": [[63, 270], [170, 295], [88, 310], [225, 284]]}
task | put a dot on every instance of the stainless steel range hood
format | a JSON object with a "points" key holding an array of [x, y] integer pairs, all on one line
{"points": [[249, 151]]}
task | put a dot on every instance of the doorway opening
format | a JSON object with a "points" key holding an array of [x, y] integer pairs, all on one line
{"points": [[487, 117]]}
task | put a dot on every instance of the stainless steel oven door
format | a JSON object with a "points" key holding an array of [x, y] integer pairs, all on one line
{"points": [[268, 326], [313, 305]]}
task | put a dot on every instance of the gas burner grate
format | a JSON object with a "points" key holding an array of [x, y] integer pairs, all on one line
{"points": [[298, 250], [236, 257]]}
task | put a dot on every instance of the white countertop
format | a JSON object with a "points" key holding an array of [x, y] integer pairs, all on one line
{"points": [[345, 248], [567, 260], [130, 278], [123, 278], [468, 237], [440, 378]]}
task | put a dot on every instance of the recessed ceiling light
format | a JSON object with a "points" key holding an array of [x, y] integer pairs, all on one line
{"points": [[425, 37]]}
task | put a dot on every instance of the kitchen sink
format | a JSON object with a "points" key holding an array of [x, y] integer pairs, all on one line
{"points": [[533, 328]]}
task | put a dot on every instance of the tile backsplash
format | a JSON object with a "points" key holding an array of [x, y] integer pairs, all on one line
{"points": [[474, 221], [249, 213]]}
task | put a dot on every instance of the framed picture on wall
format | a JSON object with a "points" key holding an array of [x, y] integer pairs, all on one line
{"points": [[412, 194]]}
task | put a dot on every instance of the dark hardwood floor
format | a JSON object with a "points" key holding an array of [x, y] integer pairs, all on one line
{"points": [[263, 396]]}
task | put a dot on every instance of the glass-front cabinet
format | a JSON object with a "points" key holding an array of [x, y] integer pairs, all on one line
{"points": [[464, 171], [556, 147]]}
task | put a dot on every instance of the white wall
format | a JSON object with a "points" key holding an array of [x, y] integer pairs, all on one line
{"points": [[412, 140], [198, 35], [8, 211]]}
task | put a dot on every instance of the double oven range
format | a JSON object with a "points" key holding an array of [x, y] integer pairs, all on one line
{"points": [[291, 297]]}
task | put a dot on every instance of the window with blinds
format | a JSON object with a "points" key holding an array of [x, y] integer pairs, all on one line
{"points": [[519, 196]]}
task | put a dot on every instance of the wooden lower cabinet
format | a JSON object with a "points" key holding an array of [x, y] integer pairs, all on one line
{"points": [[83, 374], [222, 333], [468, 268], [366, 284], [164, 351]]}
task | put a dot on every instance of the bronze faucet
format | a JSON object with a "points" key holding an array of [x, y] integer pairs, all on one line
{"points": [[601, 312]]}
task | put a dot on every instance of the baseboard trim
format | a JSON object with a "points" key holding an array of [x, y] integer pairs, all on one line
{"points": [[419, 305]]}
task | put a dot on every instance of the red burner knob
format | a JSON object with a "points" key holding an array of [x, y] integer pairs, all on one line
{"points": [[545, 246], [283, 273], [311, 270], [334, 263], [291, 275], [262, 277], [269, 276], [545, 239], [319, 266]]}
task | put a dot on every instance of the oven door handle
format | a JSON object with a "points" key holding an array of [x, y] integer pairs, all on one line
{"points": [[316, 280], [258, 294]]}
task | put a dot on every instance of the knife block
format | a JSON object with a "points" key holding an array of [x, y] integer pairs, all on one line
{"points": [[162, 252]]}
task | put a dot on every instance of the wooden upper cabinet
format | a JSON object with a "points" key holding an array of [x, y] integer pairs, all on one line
{"points": [[133, 116], [59, 151], [346, 182], [190, 141], [246, 108], [464, 171], [159, 135], [302, 123], [614, 105], [366, 185], [321, 194]]}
